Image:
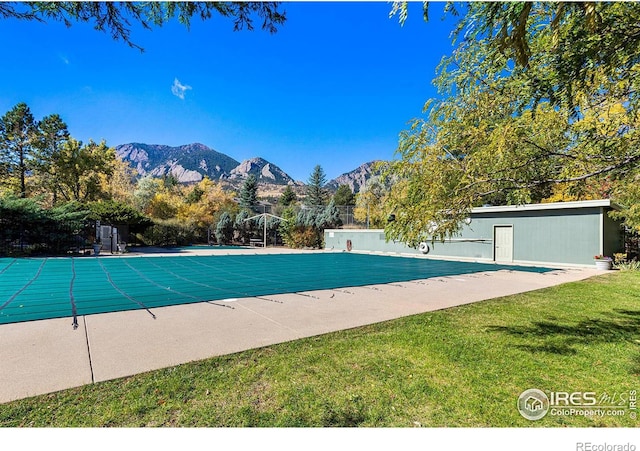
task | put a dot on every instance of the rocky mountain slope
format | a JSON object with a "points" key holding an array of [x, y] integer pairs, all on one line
{"points": [[355, 179], [191, 162], [263, 170]]}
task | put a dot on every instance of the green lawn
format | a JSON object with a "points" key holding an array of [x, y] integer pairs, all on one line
{"points": [[464, 366]]}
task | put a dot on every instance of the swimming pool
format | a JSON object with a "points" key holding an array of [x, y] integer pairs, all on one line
{"points": [[43, 288]]}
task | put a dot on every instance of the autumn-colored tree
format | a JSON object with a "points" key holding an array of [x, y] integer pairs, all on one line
{"points": [[81, 167], [535, 96], [202, 202], [370, 203], [120, 184]]}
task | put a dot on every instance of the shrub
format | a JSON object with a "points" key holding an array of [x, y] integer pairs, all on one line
{"points": [[26, 228], [224, 229], [621, 263], [171, 232]]}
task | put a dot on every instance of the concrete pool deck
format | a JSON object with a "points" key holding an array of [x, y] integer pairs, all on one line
{"points": [[45, 356]]}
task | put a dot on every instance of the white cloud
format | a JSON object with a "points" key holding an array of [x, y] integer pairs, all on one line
{"points": [[178, 89]]}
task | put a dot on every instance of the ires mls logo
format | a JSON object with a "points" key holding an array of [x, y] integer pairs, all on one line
{"points": [[534, 404], [562, 398]]}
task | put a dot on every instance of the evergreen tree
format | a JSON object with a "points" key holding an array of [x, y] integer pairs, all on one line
{"points": [[18, 133], [195, 195], [288, 197], [249, 192], [170, 181], [118, 18], [244, 227], [316, 194], [53, 133], [329, 219], [224, 228], [344, 196], [287, 228]]}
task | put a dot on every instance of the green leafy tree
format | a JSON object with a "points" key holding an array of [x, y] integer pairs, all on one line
{"points": [[18, 136], [287, 228], [116, 18], [628, 195], [370, 203], [146, 189], [316, 194], [535, 96], [115, 212], [81, 166], [556, 45], [120, 185]]}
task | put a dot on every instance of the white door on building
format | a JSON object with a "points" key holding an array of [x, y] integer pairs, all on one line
{"points": [[503, 243]]}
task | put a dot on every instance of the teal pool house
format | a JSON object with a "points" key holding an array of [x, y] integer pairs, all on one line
{"points": [[565, 233]]}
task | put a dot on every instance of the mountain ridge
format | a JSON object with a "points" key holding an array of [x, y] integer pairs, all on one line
{"points": [[190, 163], [355, 179]]}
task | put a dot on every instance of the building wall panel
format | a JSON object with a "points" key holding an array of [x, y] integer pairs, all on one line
{"points": [[565, 236]]}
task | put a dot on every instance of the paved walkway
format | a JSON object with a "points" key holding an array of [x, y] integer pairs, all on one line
{"points": [[45, 356]]}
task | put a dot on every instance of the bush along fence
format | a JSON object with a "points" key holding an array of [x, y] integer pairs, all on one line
{"points": [[43, 237], [28, 229]]}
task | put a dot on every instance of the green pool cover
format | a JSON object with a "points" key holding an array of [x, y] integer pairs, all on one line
{"points": [[34, 289]]}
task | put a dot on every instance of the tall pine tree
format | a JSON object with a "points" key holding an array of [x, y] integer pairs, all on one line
{"points": [[344, 196], [18, 135], [249, 193], [53, 133], [288, 197], [316, 194]]}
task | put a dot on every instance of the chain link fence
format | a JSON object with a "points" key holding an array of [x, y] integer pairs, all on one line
{"points": [[349, 221]]}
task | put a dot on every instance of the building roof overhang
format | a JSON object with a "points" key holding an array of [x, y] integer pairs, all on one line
{"points": [[607, 203]]}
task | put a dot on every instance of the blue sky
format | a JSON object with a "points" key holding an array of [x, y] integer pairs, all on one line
{"points": [[334, 86]]}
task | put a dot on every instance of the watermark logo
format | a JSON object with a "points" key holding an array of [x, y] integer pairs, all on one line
{"points": [[533, 404], [588, 446]]}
